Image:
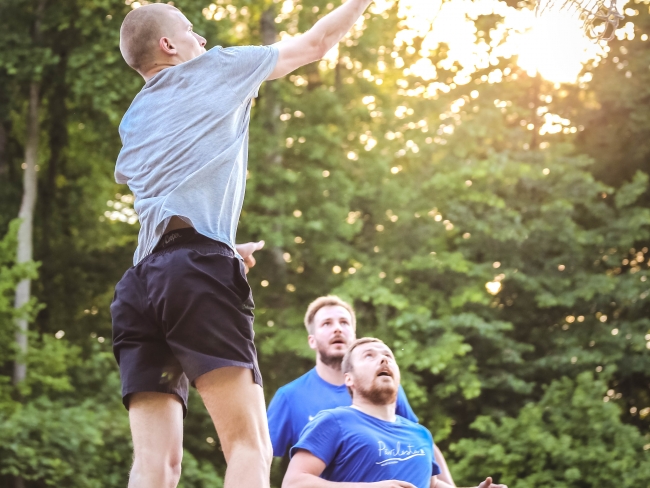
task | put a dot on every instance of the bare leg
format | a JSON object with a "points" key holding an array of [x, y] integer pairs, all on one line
{"points": [[157, 431], [236, 405]]}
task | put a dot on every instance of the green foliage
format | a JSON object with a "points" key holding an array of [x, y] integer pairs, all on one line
{"points": [[199, 473], [569, 439], [62, 446], [505, 267]]}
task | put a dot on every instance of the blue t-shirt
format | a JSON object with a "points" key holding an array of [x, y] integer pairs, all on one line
{"points": [[357, 447], [297, 403]]}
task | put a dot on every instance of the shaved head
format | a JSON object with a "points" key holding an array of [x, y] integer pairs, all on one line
{"points": [[141, 32]]}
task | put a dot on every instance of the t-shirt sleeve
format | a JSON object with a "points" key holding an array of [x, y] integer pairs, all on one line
{"points": [[120, 178], [280, 427], [435, 469], [320, 437], [246, 67], [403, 408]]}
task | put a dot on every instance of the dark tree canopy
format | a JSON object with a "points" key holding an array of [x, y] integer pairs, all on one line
{"points": [[490, 224]]}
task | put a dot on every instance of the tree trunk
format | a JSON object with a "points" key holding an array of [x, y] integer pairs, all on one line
{"points": [[26, 214], [53, 211]]}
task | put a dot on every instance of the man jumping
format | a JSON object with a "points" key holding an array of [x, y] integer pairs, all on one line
{"points": [[366, 444], [331, 327], [183, 313]]}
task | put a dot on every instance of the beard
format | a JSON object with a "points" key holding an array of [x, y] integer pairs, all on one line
{"points": [[331, 360], [378, 394]]}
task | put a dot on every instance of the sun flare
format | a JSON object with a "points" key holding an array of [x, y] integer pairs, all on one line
{"points": [[556, 48], [553, 45]]}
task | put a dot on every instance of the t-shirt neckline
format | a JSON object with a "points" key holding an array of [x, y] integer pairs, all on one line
{"points": [[372, 417], [327, 383]]}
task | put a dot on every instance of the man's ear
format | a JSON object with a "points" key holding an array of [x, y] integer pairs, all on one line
{"points": [[311, 340], [166, 46], [349, 381]]}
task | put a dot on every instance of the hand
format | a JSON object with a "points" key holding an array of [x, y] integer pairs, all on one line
{"points": [[246, 251], [390, 484], [488, 484]]}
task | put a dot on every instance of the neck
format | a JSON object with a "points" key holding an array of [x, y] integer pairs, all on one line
{"points": [[153, 72], [382, 412], [157, 68], [330, 374]]}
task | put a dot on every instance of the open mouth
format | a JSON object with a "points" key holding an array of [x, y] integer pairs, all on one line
{"points": [[338, 341], [385, 373]]}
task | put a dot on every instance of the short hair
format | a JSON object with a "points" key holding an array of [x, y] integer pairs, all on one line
{"points": [[141, 30], [326, 301], [346, 364]]}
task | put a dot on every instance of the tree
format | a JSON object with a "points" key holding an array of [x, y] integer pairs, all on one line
{"points": [[547, 443], [467, 211]]}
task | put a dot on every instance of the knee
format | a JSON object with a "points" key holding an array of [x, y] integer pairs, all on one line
{"points": [[267, 451], [258, 447], [173, 469], [159, 469]]}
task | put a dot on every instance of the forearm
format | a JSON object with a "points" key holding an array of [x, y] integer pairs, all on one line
{"points": [[438, 483], [311, 46], [444, 475], [306, 480], [329, 30]]}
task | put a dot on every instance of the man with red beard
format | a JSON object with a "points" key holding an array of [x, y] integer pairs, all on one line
{"points": [[366, 444], [331, 325]]}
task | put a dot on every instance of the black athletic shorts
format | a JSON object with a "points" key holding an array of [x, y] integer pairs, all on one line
{"points": [[184, 310]]}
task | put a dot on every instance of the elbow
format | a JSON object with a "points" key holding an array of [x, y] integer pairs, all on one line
{"points": [[316, 53], [318, 47], [288, 482], [296, 480], [321, 50]]}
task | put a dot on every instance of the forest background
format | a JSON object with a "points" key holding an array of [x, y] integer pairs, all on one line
{"points": [[489, 223]]}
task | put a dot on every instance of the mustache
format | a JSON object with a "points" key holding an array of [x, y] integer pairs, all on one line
{"points": [[385, 371], [338, 340]]}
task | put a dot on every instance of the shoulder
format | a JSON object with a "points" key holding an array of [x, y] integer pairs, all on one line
{"points": [[293, 389], [341, 415], [326, 424], [244, 54], [414, 426], [245, 50], [337, 414], [297, 384], [408, 423]]}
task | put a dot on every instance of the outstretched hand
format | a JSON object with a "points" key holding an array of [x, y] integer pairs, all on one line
{"points": [[246, 251], [488, 484]]}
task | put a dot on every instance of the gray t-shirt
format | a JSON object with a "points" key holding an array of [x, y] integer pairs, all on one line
{"points": [[185, 143]]}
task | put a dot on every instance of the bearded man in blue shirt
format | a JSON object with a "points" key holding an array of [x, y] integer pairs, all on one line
{"points": [[366, 444], [331, 325]]}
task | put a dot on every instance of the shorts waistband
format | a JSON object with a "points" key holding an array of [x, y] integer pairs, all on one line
{"points": [[190, 238]]}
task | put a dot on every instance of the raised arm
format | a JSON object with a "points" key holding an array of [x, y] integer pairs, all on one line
{"points": [[314, 44], [305, 469]]}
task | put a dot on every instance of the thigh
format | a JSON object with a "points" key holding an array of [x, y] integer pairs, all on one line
{"points": [[146, 362], [236, 404], [204, 304], [157, 428]]}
